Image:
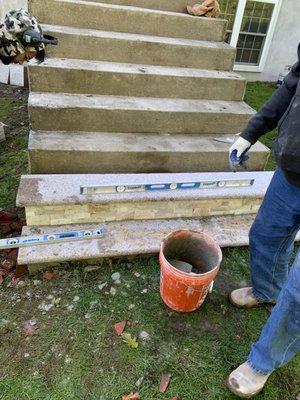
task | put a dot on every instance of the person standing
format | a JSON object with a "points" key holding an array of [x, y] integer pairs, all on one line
{"points": [[272, 239]]}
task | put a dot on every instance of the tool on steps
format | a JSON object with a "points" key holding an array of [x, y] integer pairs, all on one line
{"points": [[222, 139], [16, 242], [232, 183]]}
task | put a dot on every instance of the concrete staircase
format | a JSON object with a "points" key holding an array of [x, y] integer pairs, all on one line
{"points": [[134, 87]]}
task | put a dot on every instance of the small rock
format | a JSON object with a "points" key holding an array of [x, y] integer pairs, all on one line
{"points": [[45, 307], [26, 355], [32, 322], [87, 316], [36, 282], [113, 291], [68, 360], [116, 276], [131, 306], [136, 274], [139, 382], [144, 335], [144, 291], [76, 299], [102, 285], [70, 307]]}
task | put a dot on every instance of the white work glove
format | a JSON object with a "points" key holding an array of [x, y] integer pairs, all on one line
{"points": [[237, 153]]}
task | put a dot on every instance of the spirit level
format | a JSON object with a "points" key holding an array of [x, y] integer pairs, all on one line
{"points": [[23, 241], [233, 183]]}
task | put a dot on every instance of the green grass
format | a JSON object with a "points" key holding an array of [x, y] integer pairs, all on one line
{"points": [[13, 159], [257, 94], [74, 357]]}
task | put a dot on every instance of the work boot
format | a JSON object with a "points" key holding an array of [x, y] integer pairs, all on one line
{"points": [[245, 382], [244, 298]]}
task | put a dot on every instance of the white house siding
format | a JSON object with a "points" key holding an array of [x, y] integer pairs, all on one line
{"points": [[283, 49]]}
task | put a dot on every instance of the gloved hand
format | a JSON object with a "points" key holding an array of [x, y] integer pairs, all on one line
{"points": [[237, 153]]}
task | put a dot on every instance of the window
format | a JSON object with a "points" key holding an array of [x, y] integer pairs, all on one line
{"points": [[251, 25]]}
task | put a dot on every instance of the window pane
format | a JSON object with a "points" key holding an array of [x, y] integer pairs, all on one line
{"points": [[228, 11], [255, 25]]}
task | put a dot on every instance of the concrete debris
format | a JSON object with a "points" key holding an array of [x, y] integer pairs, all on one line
{"points": [[45, 307], [144, 335], [116, 276], [102, 286]]}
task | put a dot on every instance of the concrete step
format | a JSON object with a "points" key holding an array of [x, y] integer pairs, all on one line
{"points": [[98, 152], [119, 18], [166, 5], [107, 78], [70, 112], [87, 44], [129, 238], [57, 199]]}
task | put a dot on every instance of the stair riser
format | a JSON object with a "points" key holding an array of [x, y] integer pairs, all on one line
{"points": [[81, 47], [116, 19], [89, 213], [165, 5], [60, 80], [135, 121], [80, 162]]}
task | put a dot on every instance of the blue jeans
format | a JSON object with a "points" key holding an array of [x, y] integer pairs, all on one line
{"points": [[271, 245]]}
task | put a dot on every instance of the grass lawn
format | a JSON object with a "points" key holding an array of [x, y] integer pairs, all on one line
{"points": [[75, 354]]}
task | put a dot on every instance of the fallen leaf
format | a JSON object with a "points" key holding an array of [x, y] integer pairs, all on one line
{"points": [[131, 396], [8, 265], [175, 398], [1, 279], [21, 270], [130, 341], [30, 329], [48, 276], [119, 327], [164, 383]]}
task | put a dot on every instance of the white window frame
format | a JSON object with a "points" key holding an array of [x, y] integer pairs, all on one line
{"points": [[237, 28]]}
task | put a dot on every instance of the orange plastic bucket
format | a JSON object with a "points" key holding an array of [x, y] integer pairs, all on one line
{"points": [[186, 291]]}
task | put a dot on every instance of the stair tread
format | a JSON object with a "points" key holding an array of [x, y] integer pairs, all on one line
{"points": [[135, 37], [99, 4], [131, 142], [139, 69], [133, 238], [66, 100], [63, 189], [124, 18]]}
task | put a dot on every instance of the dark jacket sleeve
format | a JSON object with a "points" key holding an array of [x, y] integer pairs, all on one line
{"points": [[270, 114]]}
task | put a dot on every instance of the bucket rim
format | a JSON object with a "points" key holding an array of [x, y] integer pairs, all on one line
{"points": [[186, 274]]}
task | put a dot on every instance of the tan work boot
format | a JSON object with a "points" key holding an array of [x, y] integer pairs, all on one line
{"points": [[245, 382], [244, 298]]}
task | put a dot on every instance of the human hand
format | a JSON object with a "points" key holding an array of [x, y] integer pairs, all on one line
{"points": [[237, 153]]}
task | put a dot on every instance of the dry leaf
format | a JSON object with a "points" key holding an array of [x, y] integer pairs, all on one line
{"points": [[164, 383], [1, 279], [119, 327], [130, 341], [29, 329], [21, 270], [175, 398], [131, 396], [48, 276]]}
